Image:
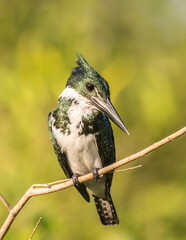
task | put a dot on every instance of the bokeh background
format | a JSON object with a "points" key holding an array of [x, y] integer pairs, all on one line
{"points": [[140, 48]]}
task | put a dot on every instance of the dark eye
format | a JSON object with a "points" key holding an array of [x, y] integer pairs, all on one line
{"points": [[89, 87]]}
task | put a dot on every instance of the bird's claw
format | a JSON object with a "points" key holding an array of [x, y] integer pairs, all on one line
{"points": [[75, 180], [96, 174]]}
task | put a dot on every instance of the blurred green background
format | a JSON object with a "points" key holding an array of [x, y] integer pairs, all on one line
{"points": [[139, 47]]}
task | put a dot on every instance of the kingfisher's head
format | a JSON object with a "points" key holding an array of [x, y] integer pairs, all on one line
{"points": [[87, 82]]}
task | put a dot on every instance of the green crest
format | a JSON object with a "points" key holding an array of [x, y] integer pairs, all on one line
{"points": [[83, 74]]}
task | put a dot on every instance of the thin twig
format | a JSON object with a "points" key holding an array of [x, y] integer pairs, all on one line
{"points": [[127, 169], [47, 185], [4, 201], [46, 189], [37, 224], [59, 181]]}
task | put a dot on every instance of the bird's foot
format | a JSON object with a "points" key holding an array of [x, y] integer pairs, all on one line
{"points": [[75, 180], [96, 174]]}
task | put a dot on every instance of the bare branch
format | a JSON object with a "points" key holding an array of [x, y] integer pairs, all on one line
{"points": [[37, 224], [40, 189], [7, 205]]}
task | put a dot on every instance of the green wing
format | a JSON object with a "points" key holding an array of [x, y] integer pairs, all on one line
{"points": [[106, 148]]}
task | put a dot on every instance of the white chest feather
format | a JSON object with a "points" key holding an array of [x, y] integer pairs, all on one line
{"points": [[81, 151]]}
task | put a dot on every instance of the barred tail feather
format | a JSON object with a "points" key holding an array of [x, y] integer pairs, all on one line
{"points": [[106, 211]]}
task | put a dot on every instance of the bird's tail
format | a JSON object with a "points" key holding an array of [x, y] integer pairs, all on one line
{"points": [[106, 210]]}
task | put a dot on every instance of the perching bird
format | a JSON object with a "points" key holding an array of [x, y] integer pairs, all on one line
{"points": [[82, 135]]}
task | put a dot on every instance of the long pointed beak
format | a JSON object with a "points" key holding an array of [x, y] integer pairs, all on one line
{"points": [[106, 107]]}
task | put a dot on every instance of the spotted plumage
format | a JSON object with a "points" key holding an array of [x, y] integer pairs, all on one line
{"points": [[82, 136]]}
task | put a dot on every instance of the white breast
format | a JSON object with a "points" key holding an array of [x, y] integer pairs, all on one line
{"points": [[81, 150]]}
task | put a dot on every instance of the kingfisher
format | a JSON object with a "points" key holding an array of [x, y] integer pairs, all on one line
{"points": [[82, 136]]}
